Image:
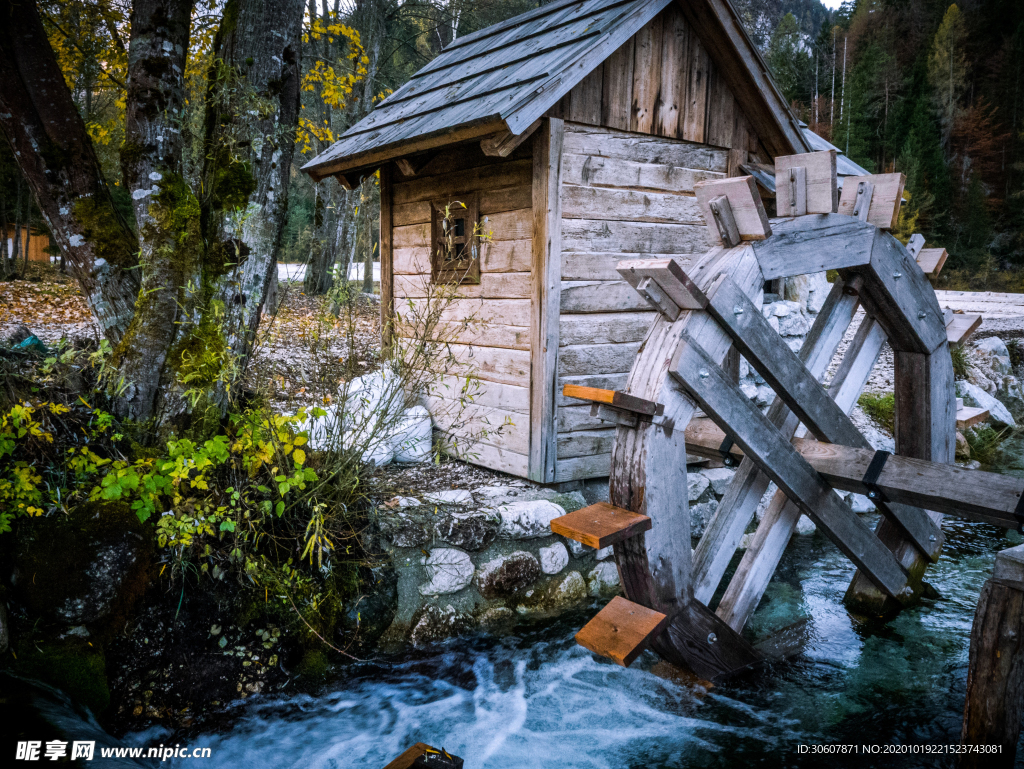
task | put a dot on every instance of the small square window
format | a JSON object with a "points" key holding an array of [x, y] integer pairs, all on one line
{"points": [[455, 245]]}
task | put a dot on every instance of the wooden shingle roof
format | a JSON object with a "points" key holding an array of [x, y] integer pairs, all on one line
{"points": [[506, 76]]}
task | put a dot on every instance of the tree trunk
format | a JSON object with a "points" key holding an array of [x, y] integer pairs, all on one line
{"points": [[5, 247], [28, 234], [170, 243], [19, 196], [268, 35], [52, 148]]}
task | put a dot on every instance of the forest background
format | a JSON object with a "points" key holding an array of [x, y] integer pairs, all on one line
{"points": [[923, 87]]}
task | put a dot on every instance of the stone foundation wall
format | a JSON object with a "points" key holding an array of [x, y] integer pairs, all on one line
{"points": [[485, 559]]}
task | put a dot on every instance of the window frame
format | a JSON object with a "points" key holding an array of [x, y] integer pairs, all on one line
{"points": [[465, 270]]}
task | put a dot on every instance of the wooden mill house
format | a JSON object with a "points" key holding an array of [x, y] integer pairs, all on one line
{"points": [[575, 133]]}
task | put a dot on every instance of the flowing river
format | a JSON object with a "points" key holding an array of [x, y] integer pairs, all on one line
{"points": [[539, 700]]}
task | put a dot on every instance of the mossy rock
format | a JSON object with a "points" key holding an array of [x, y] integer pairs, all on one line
{"points": [[74, 666], [314, 664], [81, 568]]}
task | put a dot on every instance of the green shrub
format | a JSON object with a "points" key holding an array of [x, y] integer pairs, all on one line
{"points": [[961, 366], [881, 408], [984, 442]]}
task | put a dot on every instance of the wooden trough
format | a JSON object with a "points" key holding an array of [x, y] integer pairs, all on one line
{"points": [[682, 398]]}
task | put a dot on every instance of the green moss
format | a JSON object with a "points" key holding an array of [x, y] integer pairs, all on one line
{"points": [[233, 183], [314, 664], [881, 408], [104, 228], [201, 354], [74, 666], [176, 208]]}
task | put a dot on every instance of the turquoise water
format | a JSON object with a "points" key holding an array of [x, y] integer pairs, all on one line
{"points": [[539, 700]]}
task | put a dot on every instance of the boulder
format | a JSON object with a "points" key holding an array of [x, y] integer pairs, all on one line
{"points": [[507, 575], [604, 579], [605, 553], [553, 558], [402, 529], [435, 623], [471, 531], [795, 324], [700, 516], [999, 355], [696, 485], [452, 497], [570, 502], [719, 478], [805, 526], [527, 520], [496, 617], [576, 548], [860, 503], [571, 589], [448, 571], [371, 613], [84, 567], [975, 396]]}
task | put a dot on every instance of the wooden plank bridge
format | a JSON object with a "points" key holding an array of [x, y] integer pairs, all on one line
{"points": [[682, 396]]}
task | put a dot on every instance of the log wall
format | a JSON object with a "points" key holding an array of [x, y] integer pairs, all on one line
{"points": [[624, 195], [495, 347]]}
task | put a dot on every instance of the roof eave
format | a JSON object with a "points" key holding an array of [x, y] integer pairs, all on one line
{"points": [[371, 159]]}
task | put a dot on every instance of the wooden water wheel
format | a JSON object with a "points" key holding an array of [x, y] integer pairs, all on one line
{"points": [[706, 315]]}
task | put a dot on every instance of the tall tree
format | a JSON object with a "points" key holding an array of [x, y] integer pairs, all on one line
{"points": [[947, 68], [180, 299]]}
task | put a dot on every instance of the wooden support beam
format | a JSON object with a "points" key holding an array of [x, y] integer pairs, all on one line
{"points": [[925, 429], [600, 525], [974, 495], [658, 299], [915, 244], [862, 203], [744, 204], [763, 442], [670, 277], [814, 243], [616, 398], [931, 261], [621, 630], [994, 704], [504, 143], [411, 166], [900, 297], [960, 328], [885, 197], [967, 416], [546, 285], [724, 221], [614, 415], [793, 202], [771, 357], [725, 530], [812, 190], [777, 525]]}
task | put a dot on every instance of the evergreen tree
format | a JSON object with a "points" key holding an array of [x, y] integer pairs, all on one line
{"points": [[947, 68]]}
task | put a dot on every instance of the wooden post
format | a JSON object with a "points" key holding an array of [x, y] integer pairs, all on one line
{"points": [[547, 286], [925, 429], [995, 674], [387, 283]]}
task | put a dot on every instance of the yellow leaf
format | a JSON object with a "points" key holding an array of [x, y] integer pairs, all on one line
{"points": [[299, 456]]}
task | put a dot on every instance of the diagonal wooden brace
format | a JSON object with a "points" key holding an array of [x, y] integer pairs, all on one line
{"points": [[762, 442], [787, 375], [725, 530]]}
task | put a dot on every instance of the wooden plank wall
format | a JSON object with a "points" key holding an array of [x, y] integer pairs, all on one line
{"points": [[662, 82], [496, 346], [624, 195]]}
